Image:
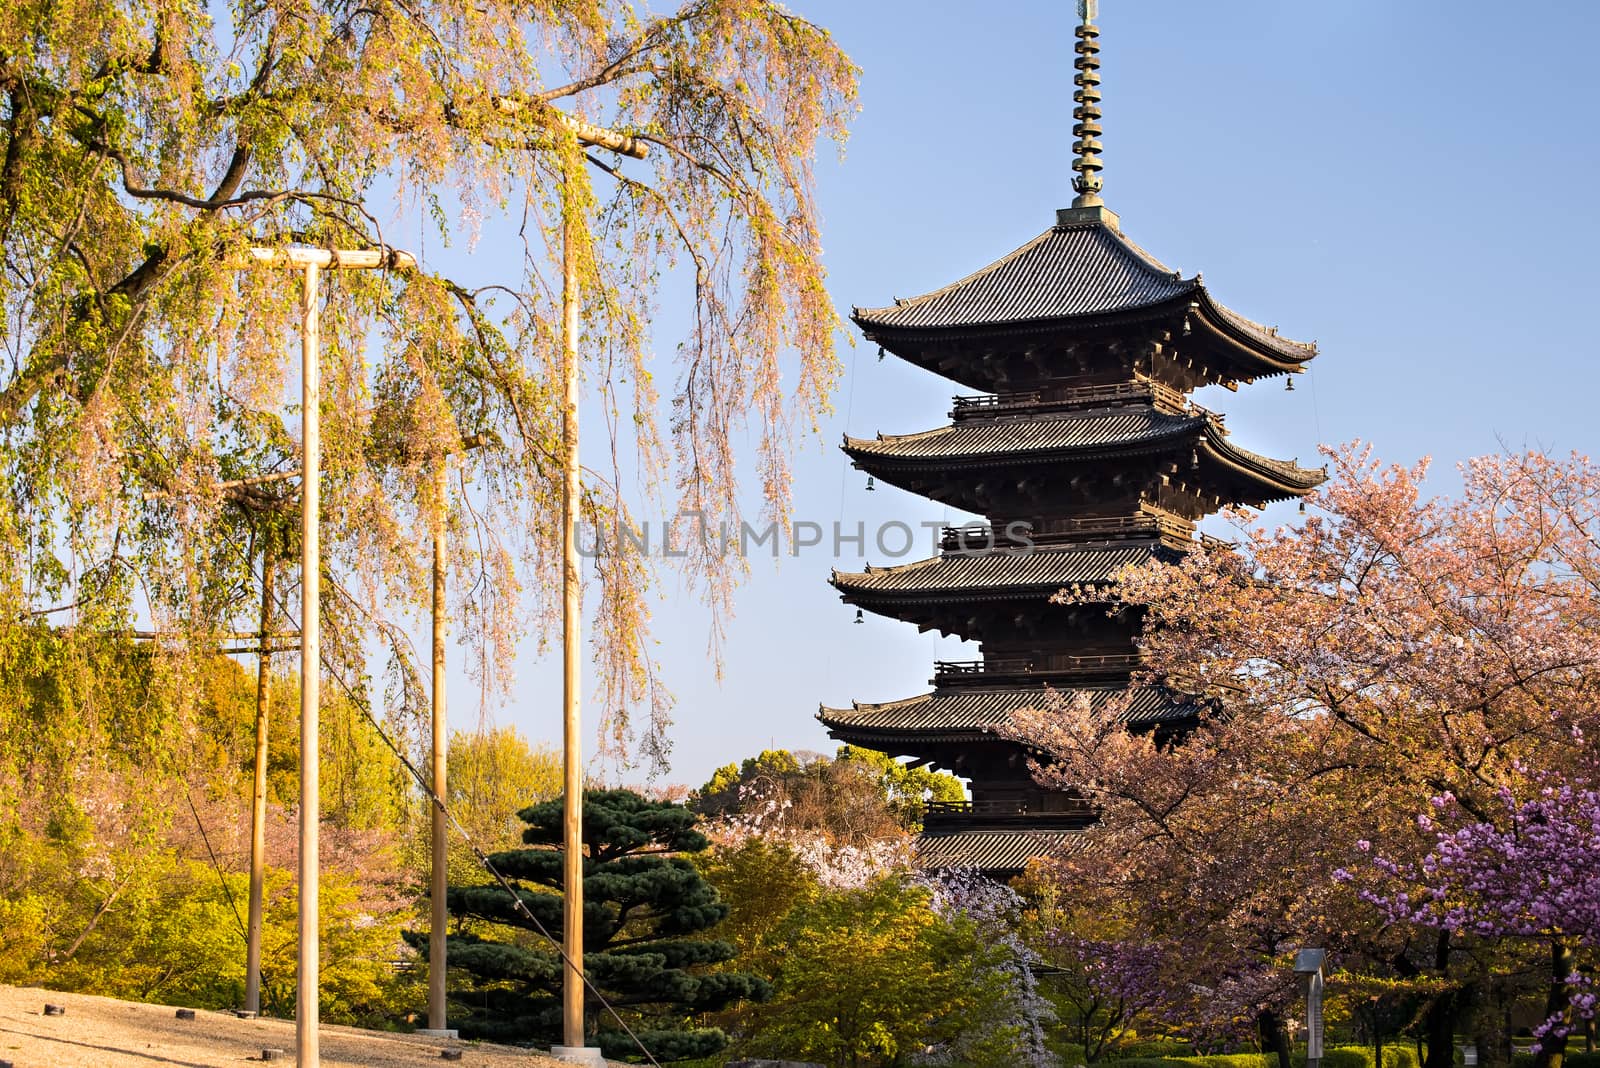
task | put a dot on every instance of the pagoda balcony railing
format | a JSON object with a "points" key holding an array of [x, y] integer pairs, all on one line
{"points": [[983, 537], [1066, 812], [993, 403], [1140, 391], [996, 668]]}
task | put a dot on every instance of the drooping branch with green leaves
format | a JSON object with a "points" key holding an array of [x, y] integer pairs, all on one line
{"points": [[145, 382]]}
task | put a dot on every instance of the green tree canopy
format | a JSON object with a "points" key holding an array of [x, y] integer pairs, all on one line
{"points": [[492, 773], [858, 794], [875, 976], [144, 144]]}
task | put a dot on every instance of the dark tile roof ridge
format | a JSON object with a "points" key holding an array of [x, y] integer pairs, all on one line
{"points": [[1143, 254], [1286, 469], [1160, 284], [1058, 549], [914, 435], [1162, 425], [1020, 832], [862, 707], [1008, 850], [1268, 335], [892, 569], [922, 298]]}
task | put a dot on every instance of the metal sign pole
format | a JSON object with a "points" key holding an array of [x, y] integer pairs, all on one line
{"points": [[1308, 962]]}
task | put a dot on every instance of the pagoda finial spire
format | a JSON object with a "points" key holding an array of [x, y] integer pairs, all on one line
{"points": [[1086, 115]]}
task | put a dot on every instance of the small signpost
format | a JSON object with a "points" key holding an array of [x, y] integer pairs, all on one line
{"points": [[1308, 962]]}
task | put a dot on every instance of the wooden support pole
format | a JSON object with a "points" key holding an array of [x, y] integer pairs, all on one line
{"points": [[308, 1046], [439, 918], [572, 1022], [258, 797], [310, 262]]}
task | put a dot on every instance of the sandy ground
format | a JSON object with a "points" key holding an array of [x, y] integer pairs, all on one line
{"points": [[105, 1033]]}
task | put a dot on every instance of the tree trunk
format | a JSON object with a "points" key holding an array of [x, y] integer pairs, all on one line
{"points": [[1488, 1030], [1274, 1036], [1557, 1004], [1439, 1022]]}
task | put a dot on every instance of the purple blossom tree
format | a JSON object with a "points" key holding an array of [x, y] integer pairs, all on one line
{"points": [[1533, 873], [1107, 984]]}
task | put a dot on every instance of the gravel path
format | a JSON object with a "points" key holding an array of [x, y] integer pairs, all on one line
{"points": [[105, 1033]]}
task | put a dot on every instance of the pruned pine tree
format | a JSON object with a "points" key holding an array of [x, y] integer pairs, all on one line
{"points": [[646, 908]]}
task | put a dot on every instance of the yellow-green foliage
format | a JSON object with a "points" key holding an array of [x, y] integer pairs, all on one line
{"points": [[859, 794], [106, 882], [1399, 1055], [492, 774], [159, 927], [862, 976]]}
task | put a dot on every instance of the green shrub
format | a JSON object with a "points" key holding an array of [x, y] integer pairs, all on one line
{"points": [[1394, 1056], [1572, 1059], [1155, 1047]]}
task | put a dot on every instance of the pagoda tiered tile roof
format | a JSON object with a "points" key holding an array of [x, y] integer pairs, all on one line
{"points": [[1052, 433], [1065, 271], [1086, 349], [1002, 573], [995, 852], [961, 714], [1074, 271], [1076, 435]]}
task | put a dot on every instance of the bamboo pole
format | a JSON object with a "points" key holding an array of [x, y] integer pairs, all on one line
{"points": [[308, 1051], [258, 806], [439, 919], [439, 844]]}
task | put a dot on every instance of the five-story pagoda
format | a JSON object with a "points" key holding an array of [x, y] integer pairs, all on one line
{"points": [[1085, 455]]}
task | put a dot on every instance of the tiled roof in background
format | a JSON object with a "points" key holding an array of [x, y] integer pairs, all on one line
{"points": [[1064, 272], [1043, 567], [1075, 271], [975, 710], [997, 851], [1078, 430]]}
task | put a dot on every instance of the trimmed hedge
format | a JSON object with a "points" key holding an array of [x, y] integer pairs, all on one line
{"points": [[1397, 1056], [1570, 1060]]}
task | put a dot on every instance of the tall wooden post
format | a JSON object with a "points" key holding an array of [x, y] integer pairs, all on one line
{"points": [[572, 1024], [310, 261], [258, 799], [307, 1042], [439, 919]]}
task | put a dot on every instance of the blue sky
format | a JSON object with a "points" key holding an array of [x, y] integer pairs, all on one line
{"points": [[1410, 184]]}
